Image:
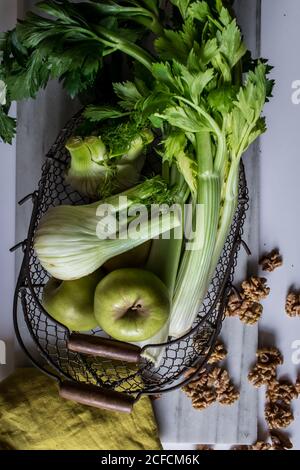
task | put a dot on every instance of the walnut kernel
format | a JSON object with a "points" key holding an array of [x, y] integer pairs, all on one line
{"points": [[250, 312], [255, 289], [292, 305], [281, 391], [280, 441], [259, 376], [278, 415], [267, 358], [271, 261], [219, 353]]}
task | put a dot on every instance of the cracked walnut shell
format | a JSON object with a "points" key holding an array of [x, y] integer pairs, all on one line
{"points": [[278, 415], [255, 289], [271, 261], [292, 305]]}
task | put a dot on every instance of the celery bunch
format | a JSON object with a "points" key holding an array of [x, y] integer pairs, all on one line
{"points": [[208, 112]]}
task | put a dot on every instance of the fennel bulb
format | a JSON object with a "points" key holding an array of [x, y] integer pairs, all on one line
{"points": [[94, 173], [73, 241]]}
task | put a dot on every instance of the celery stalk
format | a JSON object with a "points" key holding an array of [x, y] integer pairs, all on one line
{"points": [[163, 261], [230, 203], [193, 278]]}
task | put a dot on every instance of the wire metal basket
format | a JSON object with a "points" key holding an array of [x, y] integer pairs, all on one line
{"points": [[113, 373]]}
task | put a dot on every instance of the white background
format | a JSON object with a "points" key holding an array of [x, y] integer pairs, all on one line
{"points": [[279, 190]]}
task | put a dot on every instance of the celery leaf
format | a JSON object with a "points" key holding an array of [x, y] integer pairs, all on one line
{"points": [[182, 5], [184, 118], [199, 10], [128, 93], [231, 43], [102, 113]]}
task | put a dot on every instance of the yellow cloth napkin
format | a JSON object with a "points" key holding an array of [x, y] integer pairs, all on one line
{"points": [[34, 417]]}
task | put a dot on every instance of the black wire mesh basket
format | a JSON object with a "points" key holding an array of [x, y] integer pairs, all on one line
{"points": [[93, 369]]}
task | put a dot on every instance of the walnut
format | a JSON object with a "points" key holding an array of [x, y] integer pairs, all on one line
{"points": [[250, 312], [271, 261], [219, 353], [255, 289], [210, 387], [204, 447], [241, 447], [281, 391], [280, 441], [196, 384], [260, 445], [259, 376], [268, 358], [218, 378], [292, 304], [201, 395], [203, 398], [278, 415], [264, 371], [297, 386], [201, 340], [234, 305], [228, 396], [225, 391]]}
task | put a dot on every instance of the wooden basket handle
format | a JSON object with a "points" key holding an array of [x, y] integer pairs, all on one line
{"points": [[97, 397], [103, 347]]}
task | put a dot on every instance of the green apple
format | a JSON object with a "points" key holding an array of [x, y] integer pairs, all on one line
{"points": [[132, 304], [134, 258], [72, 302]]}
